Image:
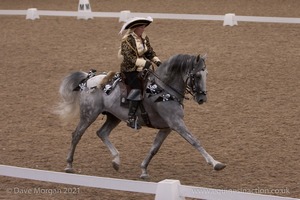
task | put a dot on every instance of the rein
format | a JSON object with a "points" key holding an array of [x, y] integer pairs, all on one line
{"points": [[181, 95], [188, 88]]}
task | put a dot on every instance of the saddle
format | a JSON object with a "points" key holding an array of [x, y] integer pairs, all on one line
{"points": [[111, 80]]}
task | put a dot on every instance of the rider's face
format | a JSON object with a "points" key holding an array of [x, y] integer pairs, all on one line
{"points": [[139, 30]]}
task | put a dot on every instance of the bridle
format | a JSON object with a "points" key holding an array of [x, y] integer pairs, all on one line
{"points": [[192, 78]]}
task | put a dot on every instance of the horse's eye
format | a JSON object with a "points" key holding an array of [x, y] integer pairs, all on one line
{"points": [[198, 75]]}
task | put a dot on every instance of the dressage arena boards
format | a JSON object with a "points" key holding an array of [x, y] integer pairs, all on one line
{"points": [[251, 120]]}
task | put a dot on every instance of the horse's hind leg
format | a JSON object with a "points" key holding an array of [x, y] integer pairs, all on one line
{"points": [[159, 139], [103, 133], [83, 124]]}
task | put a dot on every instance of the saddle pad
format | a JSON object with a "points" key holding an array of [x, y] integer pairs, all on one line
{"points": [[95, 81]]}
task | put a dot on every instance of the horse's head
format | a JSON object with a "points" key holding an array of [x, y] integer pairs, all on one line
{"points": [[196, 82]]}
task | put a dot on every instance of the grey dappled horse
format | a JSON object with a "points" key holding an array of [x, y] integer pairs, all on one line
{"points": [[163, 98]]}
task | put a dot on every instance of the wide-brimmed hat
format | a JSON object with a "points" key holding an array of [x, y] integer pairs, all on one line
{"points": [[136, 21]]}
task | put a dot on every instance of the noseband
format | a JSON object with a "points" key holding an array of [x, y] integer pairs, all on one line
{"points": [[193, 88]]}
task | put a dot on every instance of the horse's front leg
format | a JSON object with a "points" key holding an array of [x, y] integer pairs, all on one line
{"points": [[180, 128], [159, 139], [103, 133]]}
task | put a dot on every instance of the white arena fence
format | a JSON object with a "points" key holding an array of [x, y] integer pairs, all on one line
{"points": [[165, 190], [123, 15]]}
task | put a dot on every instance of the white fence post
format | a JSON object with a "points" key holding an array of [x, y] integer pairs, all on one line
{"points": [[84, 10], [124, 15], [230, 20], [32, 14], [168, 190]]}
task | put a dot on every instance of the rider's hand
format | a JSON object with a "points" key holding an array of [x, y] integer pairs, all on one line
{"points": [[143, 74], [157, 63], [147, 65]]}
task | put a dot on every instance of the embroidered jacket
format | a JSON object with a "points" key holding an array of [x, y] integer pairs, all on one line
{"points": [[135, 51]]}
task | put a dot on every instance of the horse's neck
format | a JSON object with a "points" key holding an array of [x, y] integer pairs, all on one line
{"points": [[173, 85]]}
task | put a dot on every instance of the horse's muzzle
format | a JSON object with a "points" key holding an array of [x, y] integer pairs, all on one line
{"points": [[201, 98]]}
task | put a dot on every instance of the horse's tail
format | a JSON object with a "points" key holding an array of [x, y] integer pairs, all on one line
{"points": [[68, 108]]}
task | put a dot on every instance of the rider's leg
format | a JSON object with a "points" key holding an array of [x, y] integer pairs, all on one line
{"points": [[134, 98]]}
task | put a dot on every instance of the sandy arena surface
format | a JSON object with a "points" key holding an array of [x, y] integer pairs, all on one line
{"points": [[250, 122]]}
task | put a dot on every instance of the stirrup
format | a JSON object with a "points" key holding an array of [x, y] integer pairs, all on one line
{"points": [[132, 122]]}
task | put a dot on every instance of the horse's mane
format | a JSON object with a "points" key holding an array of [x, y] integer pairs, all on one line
{"points": [[177, 65]]}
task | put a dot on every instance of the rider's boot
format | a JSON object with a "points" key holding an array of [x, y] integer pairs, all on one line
{"points": [[134, 98], [132, 118]]}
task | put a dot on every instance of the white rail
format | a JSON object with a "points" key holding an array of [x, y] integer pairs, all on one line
{"points": [[156, 16], [80, 180], [167, 189]]}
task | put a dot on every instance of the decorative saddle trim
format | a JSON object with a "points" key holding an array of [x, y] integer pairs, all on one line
{"points": [[154, 89], [111, 84], [105, 81], [83, 83]]}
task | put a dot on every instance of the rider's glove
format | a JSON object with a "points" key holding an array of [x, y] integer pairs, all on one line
{"points": [[147, 65], [145, 71], [158, 63]]}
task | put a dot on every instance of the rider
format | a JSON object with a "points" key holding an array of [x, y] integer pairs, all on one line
{"points": [[137, 55]]}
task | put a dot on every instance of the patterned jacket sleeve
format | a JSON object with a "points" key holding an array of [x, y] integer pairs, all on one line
{"points": [[150, 54]]}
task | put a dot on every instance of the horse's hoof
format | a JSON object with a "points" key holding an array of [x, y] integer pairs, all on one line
{"points": [[69, 170], [219, 166], [144, 176], [116, 166]]}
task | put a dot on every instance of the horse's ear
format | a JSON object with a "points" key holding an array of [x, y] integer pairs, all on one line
{"points": [[204, 57], [198, 58]]}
